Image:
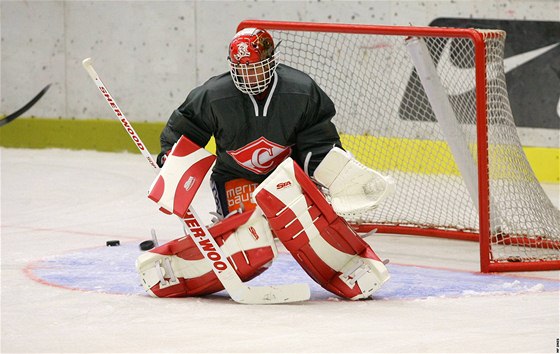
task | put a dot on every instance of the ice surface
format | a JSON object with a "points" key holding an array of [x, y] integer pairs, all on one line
{"points": [[64, 291]]}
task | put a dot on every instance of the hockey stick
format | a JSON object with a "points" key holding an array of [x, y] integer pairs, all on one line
{"points": [[19, 112], [193, 225]]}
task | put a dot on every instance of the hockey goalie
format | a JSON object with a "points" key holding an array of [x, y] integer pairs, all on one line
{"points": [[273, 129], [288, 207]]}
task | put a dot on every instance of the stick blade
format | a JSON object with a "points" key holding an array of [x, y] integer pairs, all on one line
{"points": [[276, 294], [23, 109]]}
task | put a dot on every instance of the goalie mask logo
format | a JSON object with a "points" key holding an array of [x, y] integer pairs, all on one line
{"points": [[260, 156], [242, 51]]}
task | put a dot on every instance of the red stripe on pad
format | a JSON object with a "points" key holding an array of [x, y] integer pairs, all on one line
{"points": [[184, 147]]}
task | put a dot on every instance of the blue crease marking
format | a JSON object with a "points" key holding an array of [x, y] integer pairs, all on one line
{"points": [[111, 270]]}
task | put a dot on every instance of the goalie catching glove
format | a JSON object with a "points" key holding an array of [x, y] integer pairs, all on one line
{"points": [[352, 186]]}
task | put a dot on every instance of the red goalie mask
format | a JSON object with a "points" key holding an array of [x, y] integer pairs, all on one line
{"points": [[252, 60]]}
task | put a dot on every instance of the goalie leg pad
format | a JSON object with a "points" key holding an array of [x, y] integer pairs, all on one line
{"points": [[326, 247], [178, 269]]}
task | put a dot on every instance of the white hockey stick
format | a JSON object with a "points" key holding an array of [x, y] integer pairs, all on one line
{"points": [[238, 291]]}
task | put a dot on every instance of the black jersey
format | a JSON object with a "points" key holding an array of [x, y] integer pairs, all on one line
{"points": [[254, 136]]}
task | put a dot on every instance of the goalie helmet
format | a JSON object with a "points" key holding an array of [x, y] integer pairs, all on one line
{"points": [[252, 60]]}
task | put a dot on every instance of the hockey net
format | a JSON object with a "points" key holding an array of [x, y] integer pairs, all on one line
{"points": [[429, 106]]}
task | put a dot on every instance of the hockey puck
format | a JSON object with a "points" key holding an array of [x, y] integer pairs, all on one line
{"points": [[147, 245], [113, 243]]}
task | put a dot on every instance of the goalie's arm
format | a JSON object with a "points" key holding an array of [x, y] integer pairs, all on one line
{"points": [[187, 121], [316, 133]]}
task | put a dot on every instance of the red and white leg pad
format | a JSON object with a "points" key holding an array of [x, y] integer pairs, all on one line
{"points": [[178, 269], [322, 242]]}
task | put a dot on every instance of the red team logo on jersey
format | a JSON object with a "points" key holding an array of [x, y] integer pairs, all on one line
{"points": [[260, 156]]}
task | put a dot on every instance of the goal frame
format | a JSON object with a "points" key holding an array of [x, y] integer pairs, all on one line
{"points": [[477, 38]]}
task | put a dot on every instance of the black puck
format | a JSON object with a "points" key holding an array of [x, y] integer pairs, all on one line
{"points": [[113, 243], [147, 245]]}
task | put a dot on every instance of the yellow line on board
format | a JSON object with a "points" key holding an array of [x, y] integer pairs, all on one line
{"points": [[435, 157], [383, 154]]}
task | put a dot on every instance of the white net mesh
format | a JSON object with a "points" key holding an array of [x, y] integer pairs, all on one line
{"points": [[387, 122]]}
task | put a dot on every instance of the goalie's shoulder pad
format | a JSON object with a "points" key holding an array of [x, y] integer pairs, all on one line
{"points": [[352, 186], [178, 269]]}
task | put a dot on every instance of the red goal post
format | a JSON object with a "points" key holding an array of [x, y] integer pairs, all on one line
{"points": [[429, 107]]}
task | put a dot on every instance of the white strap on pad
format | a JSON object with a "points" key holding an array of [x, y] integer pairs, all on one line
{"points": [[352, 186]]}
